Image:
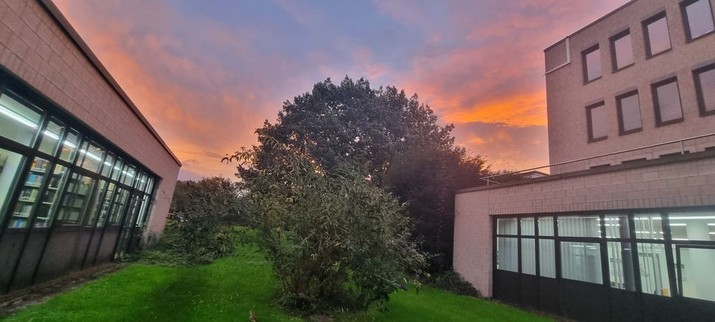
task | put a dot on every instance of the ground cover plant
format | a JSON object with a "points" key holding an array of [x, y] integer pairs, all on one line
{"points": [[230, 289]]}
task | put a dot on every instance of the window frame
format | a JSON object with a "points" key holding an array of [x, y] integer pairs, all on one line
{"points": [[619, 107], [656, 104], [584, 63], [589, 122], [686, 21], [652, 19], [699, 89], [614, 60]]}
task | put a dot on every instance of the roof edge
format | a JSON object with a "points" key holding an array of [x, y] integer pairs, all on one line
{"points": [[84, 48], [591, 24]]}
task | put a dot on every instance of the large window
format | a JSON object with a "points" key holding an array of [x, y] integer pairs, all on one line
{"points": [[629, 113], [622, 50], [656, 253], [597, 125], [666, 98], [698, 18], [591, 64], [656, 34], [705, 87]]}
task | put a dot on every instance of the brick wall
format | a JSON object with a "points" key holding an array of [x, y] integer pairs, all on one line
{"points": [[36, 49], [567, 95], [678, 184]]}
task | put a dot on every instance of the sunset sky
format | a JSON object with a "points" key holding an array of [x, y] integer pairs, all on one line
{"points": [[206, 74]]}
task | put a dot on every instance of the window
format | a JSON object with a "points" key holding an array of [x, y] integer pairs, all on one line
{"points": [[620, 265], [648, 226], [695, 272], [591, 64], [705, 88], [656, 34], [18, 122], [507, 254], [581, 262], [622, 50], [629, 113], [697, 18], [596, 118], [666, 98], [547, 258], [528, 256], [653, 269], [9, 164], [507, 226], [580, 226]]}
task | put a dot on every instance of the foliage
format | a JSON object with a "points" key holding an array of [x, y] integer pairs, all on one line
{"points": [[201, 211], [394, 140], [336, 241], [453, 282], [230, 288]]}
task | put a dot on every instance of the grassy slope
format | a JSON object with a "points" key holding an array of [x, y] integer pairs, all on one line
{"points": [[227, 289]]}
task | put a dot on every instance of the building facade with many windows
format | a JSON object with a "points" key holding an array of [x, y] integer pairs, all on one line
{"points": [[623, 228], [83, 176]]}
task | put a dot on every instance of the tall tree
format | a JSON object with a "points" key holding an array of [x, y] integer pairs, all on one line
{"points": [[394, 139]]}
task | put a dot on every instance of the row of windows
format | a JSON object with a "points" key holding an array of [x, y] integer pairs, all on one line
{"points": [[666, 102], [697, 19], [675, 249], [52, 174]]}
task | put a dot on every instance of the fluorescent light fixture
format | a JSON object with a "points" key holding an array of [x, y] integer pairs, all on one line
{"points": [[691, 217], [678, 225], [11, 114], [711, 224]]}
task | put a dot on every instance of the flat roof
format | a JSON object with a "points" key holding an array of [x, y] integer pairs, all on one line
{"points": [[74, 36]]}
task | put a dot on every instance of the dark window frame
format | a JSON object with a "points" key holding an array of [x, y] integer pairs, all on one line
{"points": [[656, 105], [619, 106], [589, 122], [699, 89], [686, 21], [646, 36], [612, 40], [584, 63]]}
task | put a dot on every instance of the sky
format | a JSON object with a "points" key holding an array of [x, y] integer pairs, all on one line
{"points": [[206, 74]]}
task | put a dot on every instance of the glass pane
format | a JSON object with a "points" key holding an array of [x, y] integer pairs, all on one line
{"points": [[700, 19], [506, 226], [17, 122], [599, 127], [120, 201], [623, 48], [653, 269], [50, 201], [76, 199], [9, 167], [706, 81], [593, 64], [617, 226], [106, 205], [648, 226], [144, 212], [29, 194], [507, 254], [108, 165], [669, 102], [82, 153], [149, 185], [95, 205], [581, 262], [696, 269], [50, 137], [692, 225], [129, 174], [658, 36], [527, 226], [528, 256], [620, 263], [630, 113], [69, 146], [547, 258], [581, 226], [93, 158], [117, 171], [546, 226]]}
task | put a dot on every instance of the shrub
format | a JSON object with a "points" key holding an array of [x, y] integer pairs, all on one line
{"points": [[453, 282]]}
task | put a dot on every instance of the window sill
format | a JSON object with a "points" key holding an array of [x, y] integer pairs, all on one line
{"points": [[689, 39], [622, 133], [616, 70], [666, 123], [597, 139], [586, 82], [649, 56]]}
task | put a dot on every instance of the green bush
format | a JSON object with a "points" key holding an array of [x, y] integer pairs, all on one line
{"points": [[336, 241], [453, 282]]}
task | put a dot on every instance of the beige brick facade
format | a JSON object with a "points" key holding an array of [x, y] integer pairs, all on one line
{"points": [[38, 50]]}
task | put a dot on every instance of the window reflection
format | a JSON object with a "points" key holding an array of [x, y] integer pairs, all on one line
{"points": [[667, 99], [17, 121], [658, 38], [699, 18], [9, 165], [29, 194]]}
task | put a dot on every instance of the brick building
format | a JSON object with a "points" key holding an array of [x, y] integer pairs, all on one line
{"points": [[83, 175], [624, 227]]}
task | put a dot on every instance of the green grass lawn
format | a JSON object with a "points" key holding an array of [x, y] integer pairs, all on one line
{"points": [[228, 289]]}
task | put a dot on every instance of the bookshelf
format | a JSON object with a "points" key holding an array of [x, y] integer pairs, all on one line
{"points": [[29, 194]]}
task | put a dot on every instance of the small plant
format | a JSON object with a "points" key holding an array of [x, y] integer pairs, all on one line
{"points": [[453, 282]]}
